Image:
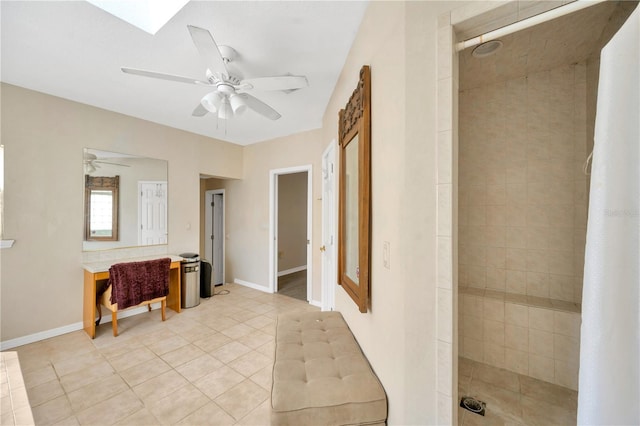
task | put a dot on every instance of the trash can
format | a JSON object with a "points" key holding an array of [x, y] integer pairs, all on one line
{"points": [[206, 289], [190, 280]]}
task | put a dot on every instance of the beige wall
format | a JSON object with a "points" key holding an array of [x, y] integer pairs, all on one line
{"points": [[247, 204], [398, 334], [292, 221], [41, 285]]}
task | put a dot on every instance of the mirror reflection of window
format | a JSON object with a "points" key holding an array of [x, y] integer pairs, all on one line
{"points": [[101, 215], [101, 208]]}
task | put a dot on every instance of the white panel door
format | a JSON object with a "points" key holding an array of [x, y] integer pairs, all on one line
{"points": [[218, 239], [152, 213], [214, 234]]}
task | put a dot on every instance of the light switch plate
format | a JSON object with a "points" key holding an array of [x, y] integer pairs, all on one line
{"points": [[386, 254]]}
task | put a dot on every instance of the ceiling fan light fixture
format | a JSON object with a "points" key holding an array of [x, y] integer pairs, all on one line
{"points": [[238, 105], [225, 111], [212, 101], [224, 101]]}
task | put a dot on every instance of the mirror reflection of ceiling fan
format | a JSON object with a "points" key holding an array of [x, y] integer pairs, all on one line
{"points": [[92, 163], [229, 96]]}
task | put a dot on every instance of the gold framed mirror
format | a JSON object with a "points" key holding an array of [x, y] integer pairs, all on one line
{"points": [[354, 231]]}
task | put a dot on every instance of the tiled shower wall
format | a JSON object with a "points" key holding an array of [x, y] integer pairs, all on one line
{"points": [[523, 201], [541, 342], [522, 192]]}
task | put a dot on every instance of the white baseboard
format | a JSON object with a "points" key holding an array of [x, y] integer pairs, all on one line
{"points": [[41, 335], [252, 285], [315, 303], [292, 270], [47, 334]]}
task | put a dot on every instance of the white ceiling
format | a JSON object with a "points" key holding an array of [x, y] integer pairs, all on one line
{"points": [[74, 50]]}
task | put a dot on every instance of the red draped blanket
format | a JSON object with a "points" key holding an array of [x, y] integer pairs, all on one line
{"points": [[137, 282]]}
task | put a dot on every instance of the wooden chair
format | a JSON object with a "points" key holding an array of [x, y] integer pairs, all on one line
{"points": [[105, 300]]}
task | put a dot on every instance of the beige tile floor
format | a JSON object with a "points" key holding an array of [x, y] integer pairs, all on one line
{"points": [[513, 399], [209, 365]]}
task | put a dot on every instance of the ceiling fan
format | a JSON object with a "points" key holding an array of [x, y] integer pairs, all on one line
{"points": [[229, 97], [92, 163]]}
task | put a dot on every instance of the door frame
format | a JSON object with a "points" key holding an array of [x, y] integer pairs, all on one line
{"points": [[273, 225], [208, 226], [329, 277]]}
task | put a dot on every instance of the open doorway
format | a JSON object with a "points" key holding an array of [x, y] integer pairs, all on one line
{"points": [[290, 231]]}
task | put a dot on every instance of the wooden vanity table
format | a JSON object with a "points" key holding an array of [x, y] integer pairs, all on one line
{"points": [[97, 271]]}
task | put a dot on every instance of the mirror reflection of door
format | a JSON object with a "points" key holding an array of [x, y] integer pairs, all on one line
{"points": [[152, 213], [351, 211]]}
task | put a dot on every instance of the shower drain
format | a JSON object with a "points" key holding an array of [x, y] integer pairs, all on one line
{"points": [[473, 405]]}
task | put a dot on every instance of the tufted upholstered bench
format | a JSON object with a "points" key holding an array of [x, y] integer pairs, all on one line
{"points": [[320, 375]]}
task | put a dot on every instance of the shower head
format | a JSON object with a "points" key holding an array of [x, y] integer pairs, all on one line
{"points": [[487, 48]]}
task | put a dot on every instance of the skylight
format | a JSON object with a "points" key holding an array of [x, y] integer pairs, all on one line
{"points": [[148, 15]]}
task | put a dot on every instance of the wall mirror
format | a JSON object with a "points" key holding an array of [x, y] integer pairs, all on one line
{"points": [[354, 232], [125, 200]]}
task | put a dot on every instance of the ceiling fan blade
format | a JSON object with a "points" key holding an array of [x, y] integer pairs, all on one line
{"points": [[200, 111], [163, 76], [260, 107], [209, 50], [284, 82]]}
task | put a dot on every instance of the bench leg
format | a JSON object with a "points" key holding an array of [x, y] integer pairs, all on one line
{"points": [[114, 323], [163, 305], [149, 306]]}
